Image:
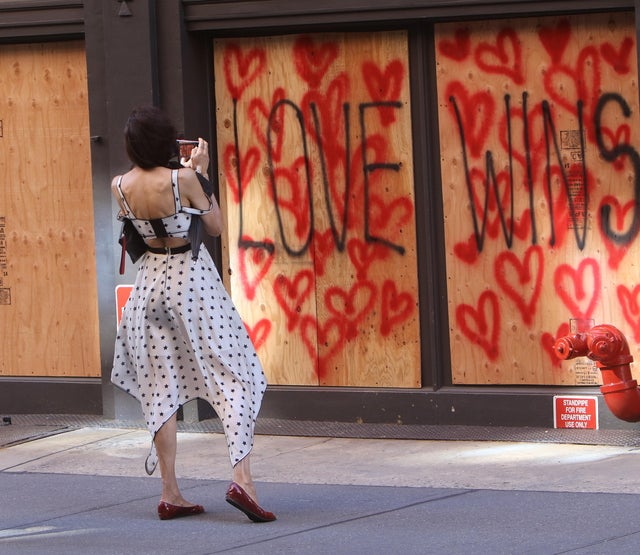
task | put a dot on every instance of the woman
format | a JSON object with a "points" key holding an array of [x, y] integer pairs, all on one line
{"points": [[180, 337]]}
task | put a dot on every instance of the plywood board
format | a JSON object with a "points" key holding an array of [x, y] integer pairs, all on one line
{"points": [[314, 139], [48, 306], [540, 170]]}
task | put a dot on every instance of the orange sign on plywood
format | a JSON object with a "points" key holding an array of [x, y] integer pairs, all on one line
{"points": [[122, 294]]}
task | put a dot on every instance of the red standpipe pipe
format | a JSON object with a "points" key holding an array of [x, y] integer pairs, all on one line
{"points": [[609, 348]]}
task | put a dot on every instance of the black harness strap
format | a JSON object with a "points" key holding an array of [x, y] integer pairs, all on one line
{"points": [[158, 228]]}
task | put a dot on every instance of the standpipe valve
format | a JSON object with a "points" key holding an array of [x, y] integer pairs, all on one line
{"points": [[607, 346]]}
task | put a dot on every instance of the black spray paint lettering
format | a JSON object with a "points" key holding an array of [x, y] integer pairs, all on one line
{"points": [[610, 155], [491, 182], [339, 235]]}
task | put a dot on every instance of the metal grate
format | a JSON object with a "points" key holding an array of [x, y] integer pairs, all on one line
{"points": [[29, 427]]}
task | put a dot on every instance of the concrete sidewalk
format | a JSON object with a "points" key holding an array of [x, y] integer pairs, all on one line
{"points": [[85, 491]]}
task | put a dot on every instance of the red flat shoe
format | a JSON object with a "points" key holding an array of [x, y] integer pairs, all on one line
{"points": [[167, 511], [240, 499]]}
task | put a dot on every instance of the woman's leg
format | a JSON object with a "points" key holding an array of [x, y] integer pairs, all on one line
{"points": [[242, 489], [166, 441], [242, 477]]}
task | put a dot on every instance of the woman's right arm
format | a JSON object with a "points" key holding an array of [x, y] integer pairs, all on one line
{"points": [[191, 190]]}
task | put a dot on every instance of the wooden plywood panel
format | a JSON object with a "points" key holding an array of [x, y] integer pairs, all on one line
{"points": [[314, 139], [539, 173], [48, 313]]}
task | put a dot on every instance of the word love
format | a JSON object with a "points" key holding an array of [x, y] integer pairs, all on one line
{"points": [[285, 108]]}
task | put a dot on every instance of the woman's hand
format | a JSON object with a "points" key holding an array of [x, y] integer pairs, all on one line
{"points": [[199, 160]]}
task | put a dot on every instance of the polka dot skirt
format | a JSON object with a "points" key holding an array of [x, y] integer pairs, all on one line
{"points": [[181, 338]]}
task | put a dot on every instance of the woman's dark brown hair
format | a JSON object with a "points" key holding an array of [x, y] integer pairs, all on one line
{"points": [[150, 137]]}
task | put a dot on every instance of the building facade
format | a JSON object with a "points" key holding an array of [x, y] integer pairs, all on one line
{"points": [[421, 197]]}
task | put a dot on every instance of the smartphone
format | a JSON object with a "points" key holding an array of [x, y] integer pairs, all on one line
{"points": [[186, 146]]}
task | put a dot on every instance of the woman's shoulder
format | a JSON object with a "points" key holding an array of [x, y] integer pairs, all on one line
{"points": [[135, 177], [186, 172], [120, 178], [115, 181], [187, 178]]}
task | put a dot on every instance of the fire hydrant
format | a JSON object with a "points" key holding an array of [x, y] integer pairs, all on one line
{"points": [[607, 346]]}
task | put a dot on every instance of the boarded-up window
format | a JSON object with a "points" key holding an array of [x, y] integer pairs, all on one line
{"points": [[539, 131], [48, 291], [315, 160]]}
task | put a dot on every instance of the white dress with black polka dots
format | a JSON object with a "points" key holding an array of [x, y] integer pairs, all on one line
{"points": [[181, 338]]}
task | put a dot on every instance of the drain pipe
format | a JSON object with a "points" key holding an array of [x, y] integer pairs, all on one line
{"points": [[609, 348]]}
